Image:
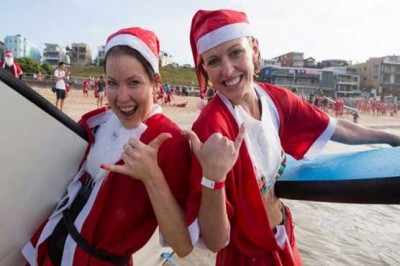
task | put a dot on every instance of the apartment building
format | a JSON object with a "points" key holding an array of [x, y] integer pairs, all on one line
{"points": [[331, 82], [381, 75], [305, 80], [22, 47], [54, 53], [101, 53], [292, 59], [80, 54], [341, 81]]}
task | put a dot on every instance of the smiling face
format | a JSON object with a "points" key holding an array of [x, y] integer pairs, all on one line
{"points": [[230, 67], [129, 89]]}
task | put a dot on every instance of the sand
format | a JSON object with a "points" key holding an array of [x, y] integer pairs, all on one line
{"points": [[327, 234]]}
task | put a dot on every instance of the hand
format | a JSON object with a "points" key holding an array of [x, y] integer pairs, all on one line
{"points": [[140, 160], [217, 155]]}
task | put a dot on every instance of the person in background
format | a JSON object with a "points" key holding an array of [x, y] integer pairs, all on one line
{"points": [[68, 82], [116, 200], [100, 91], [355, 117], [252, 126], [86, 87], [59, 78], [10, 65]]}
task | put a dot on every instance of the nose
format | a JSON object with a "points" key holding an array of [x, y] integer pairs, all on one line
{"points": [[123, 93], [227, 67]]}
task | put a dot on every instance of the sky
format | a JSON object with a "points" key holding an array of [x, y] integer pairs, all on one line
{"points": [[352, 30]]}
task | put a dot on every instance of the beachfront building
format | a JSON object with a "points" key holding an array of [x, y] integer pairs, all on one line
{"points": [[269, 62], [292, 59], [54, 53], [305, 80], [332, 82], [310, 62], [340, 81], [101, 53], [381, 76], [333, 63], [80, 54], [22, 47], [165, 59]]}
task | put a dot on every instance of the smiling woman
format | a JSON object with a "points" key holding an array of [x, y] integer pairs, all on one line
{"points": [[118, 197], [129, 85]]}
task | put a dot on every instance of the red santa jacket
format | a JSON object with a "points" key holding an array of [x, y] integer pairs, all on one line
{"points": [[16, 69], [299, 127], [121, 219]]}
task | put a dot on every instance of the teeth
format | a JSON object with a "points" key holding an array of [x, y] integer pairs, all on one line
{"points": [[232, 82], [127, 109]]}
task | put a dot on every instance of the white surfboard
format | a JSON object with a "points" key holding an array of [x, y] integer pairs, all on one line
{"points": [[39, 156], [40, 152]]}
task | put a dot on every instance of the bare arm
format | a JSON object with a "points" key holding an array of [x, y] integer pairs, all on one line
{"points": [[350, 133], [141, 163], [216, 157]]}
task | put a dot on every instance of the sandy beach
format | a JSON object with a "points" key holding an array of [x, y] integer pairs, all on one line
{"points": [[327, 233]]}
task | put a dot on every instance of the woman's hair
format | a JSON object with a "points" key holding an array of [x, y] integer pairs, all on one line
{"points": [[126, 50], [257, 61]]}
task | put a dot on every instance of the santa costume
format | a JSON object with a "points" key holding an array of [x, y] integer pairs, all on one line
{"points": [[106, 217], [10, 65], [287, 125]]}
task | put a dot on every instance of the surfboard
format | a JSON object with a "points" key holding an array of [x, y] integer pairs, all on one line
{"points": [[41, 149], [370, 177]]}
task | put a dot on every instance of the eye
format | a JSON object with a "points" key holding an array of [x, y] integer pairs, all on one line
{"points": [[236, 53], [111, 84], [212, 62], [134, 83]]}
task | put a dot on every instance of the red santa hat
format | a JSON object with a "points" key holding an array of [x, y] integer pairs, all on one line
{"points": [[9, 53], [212, 28], [144, 41]]}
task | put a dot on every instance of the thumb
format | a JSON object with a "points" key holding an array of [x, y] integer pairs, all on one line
{"points": [[156, 143], [240, 137], [196, 143]]}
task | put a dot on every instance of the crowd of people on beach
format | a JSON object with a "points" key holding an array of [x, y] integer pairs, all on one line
{"points": [[221, 196]]}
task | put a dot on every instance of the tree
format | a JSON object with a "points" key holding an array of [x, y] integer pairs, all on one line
{"points": [[47, 69], [28, 65]]}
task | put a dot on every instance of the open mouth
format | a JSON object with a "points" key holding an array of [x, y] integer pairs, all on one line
{"points": [[128, 111], [233, 82]]}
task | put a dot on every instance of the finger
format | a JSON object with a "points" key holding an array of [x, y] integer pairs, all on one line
{"points": [[196, 143], [135, 143], [156, 143], [240, 136], [120, 169]]}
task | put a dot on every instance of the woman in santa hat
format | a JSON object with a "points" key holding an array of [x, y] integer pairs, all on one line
{"points": [[233, 204], [116, 200]]}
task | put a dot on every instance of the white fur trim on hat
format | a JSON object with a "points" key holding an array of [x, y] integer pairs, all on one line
{"points": [[137, 44], [223, 34]]}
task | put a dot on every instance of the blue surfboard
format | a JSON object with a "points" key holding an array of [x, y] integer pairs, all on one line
{"points": [[371, 177]]}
